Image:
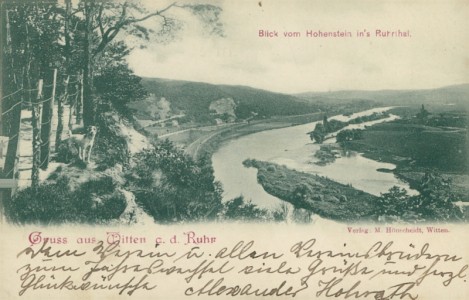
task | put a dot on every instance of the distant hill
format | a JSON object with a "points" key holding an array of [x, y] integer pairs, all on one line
{"points": [[194, 99], [456, 94]]}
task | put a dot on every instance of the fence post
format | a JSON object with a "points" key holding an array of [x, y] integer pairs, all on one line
{"points": [[36, 122], [46, 125], [13, 137]]}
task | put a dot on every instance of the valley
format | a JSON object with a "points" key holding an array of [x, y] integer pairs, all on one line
{"points": [[398, 148]]}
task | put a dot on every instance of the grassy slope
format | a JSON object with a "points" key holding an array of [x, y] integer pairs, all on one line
{"points": [[323, 196]]}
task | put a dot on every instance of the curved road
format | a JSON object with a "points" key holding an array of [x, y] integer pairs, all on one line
{"points": [[193, 149]]}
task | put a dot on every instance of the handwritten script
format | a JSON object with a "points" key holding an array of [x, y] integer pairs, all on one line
{"points": [[304, 268]]}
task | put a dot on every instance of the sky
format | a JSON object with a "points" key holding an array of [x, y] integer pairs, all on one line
{"points": [[435, 54]]}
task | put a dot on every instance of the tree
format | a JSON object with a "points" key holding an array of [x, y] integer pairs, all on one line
{"points": [[349, 135], [325, 123], [32, 48], [392, 202], [435, 201], [67, 54], [117, 86], [422, 114], [105, 20], [11, 106], [318, 134]]}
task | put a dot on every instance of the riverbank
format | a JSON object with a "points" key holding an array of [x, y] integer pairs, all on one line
{"points": [[207, 144], [322, 196], [339, 202], [292, 147], [415, 150], [303, 184]]}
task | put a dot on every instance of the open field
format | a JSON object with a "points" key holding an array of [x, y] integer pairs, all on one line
{"points": [[416, 149], [423, 146]]}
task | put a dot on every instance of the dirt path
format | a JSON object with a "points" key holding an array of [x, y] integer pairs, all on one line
{"points": [[25, 146]]}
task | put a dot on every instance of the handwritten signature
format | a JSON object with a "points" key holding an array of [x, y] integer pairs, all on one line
{"points": [[383, 271]]}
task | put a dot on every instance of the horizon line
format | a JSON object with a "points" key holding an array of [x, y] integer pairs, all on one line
{"points": [[309, 91]]}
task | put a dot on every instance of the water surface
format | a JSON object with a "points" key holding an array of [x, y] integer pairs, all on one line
{"points": [[292, 147]]}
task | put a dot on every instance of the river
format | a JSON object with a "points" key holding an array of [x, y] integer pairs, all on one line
{"points": [[292, 147]]}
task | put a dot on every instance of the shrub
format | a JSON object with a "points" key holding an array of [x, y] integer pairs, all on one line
{"points": [[239, 209], [261, 178], [67, 151], [95, 201], [300, 215], [435, 202], [110, 147], [186, 190]]}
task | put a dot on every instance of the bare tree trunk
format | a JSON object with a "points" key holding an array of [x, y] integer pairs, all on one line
{"points": [[60, 114], [71, 105], [36, 123], [14, 117], [79, 100], [46, 125], [88, 95], [63, 98]]}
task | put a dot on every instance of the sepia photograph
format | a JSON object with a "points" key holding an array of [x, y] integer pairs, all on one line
{"points": [[118, 112], [271, 119]]}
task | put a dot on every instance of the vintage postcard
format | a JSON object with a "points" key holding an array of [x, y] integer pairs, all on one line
{"points": [[251, 149]]}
